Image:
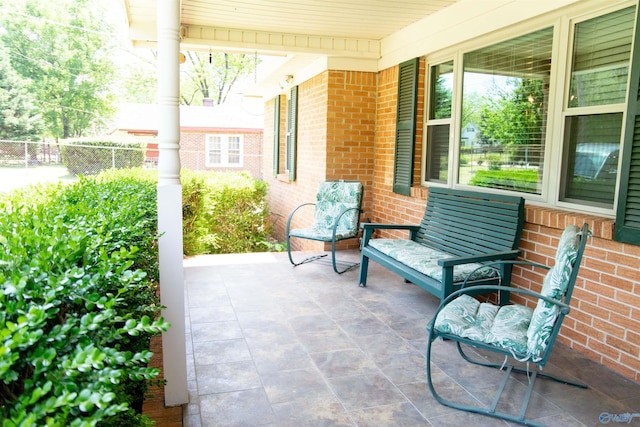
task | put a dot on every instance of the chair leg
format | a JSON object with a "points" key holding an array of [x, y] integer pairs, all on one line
{"points": [[491, 410], [348, 266], [540, 374]]}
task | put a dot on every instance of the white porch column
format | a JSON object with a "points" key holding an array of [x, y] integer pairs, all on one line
{"points": [[170, 204]]}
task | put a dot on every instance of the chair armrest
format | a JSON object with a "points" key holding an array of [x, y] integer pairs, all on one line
{"points": [[563, 308], [507, 255], [288, 228]]}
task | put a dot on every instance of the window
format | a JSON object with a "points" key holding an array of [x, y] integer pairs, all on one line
{"points": [[517, 115], [505, 96], [292, 133], [439, 121], [224, 150], [285, 155], [595, 106]]}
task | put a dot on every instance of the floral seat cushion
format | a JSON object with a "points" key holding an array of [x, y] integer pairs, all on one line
{"points": [[425, 260], [523, 331], [333, 198]]}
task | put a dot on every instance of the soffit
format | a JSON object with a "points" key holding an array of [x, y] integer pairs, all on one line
{"points": [[253, 24]]}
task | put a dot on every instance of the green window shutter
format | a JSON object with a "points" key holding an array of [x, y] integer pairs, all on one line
{"points": [[628, 212], [405, 127], [276, 136], [292, 132]]}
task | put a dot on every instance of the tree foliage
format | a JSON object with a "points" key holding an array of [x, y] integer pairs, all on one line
{"points": [[513, 116], [19, 119], [64, 52], [212, 75]]}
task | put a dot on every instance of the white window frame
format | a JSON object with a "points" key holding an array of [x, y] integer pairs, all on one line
{"points": [[563, 29], [225, 150]]}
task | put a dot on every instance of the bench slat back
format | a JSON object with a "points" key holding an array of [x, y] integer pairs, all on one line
{"points": [[463, 222]]}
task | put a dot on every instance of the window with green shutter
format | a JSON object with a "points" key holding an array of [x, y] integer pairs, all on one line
{"points": [[628, 213], [405, 127], [292, 132], [276, 136]]}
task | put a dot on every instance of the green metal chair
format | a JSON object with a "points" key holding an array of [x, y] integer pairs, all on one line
{"points": [[515, 332], [336, 217]]}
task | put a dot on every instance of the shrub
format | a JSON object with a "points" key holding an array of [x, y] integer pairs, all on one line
{"points": [[224, 213], [494, 162], [90, 157], [78, 302]]}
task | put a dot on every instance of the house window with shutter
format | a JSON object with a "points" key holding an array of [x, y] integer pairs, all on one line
{"points": [[628, 207], [405, 127], [553, 114], [594, 109], [285, 155]]}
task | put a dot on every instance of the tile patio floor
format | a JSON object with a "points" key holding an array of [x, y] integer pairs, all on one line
{"points": [[273, 345]]}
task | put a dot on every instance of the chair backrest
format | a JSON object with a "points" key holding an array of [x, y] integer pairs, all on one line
{"points": [[333, 198], [558, 284], [462, 222]]}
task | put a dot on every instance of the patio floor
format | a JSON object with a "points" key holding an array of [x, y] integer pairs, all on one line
{"points": [[273, 345]]}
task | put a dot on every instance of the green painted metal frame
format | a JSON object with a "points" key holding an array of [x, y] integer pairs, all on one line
{"points": [[532, 375], [345, 266], [469, 226]]}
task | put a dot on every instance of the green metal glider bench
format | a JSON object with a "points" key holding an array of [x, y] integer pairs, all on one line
{"points": [[515, 332], [460, 231], [336, 217]]}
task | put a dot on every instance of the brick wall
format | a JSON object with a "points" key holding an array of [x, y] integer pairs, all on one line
{"points": [[604, 322], [334, 141]]}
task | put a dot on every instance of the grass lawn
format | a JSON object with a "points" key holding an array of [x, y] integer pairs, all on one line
{"points": [[15, 177]]}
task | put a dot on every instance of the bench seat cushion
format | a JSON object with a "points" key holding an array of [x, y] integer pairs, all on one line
{"points": [[504, 327], [425, 260]]}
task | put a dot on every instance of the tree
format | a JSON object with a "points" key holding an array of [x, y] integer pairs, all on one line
{"points": [[212, 75], [65, 54], [19, 119], [513, 116]]}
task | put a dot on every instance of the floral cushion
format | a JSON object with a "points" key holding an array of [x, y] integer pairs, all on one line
{"points": [[554, 286], [504, 327], [333, 198], [425, 259], [523, 331]]}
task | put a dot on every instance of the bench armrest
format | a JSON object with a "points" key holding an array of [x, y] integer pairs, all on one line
{"points": [[369, 227], [449, 262], [372, 225]]}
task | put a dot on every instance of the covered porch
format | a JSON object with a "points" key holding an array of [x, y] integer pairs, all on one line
{"points": [[270, 344]]}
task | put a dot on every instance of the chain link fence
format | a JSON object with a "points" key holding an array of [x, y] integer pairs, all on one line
{"points": [[27, 162], [79, 157]]}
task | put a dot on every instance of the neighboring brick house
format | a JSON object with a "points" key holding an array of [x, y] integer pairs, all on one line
{"points": [[225, 137]]}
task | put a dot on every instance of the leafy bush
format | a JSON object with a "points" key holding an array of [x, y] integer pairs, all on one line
{"points": [[224, 213], [525, 180], [494, 162], [78, 302], [90, 157]]}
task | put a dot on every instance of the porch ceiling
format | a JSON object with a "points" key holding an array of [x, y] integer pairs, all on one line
{"points": [[205, 21], [298, 33], [308, 36]]}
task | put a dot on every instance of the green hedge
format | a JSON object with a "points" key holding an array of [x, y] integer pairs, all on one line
{"points": [[79, 268], [91, 157], [224, 212]]}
